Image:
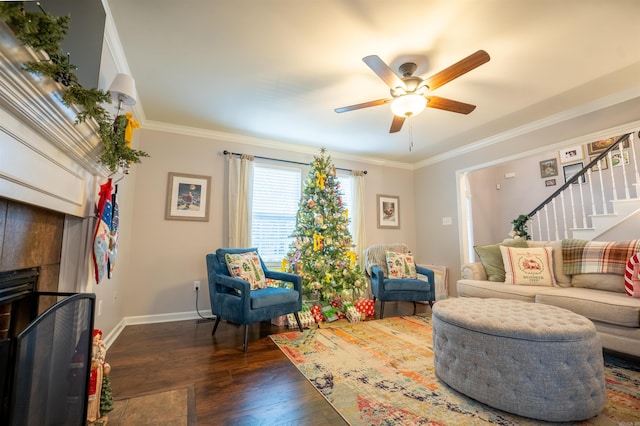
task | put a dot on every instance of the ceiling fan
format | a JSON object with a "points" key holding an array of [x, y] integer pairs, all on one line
{"points": [[411, 94]]}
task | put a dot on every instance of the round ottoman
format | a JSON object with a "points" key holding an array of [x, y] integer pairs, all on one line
{"points": [[530, 359]]}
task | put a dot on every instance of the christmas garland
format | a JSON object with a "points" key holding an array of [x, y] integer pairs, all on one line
{"points": [[44, 32]]}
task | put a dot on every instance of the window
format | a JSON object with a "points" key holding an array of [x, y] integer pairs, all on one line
{"points": [[276, 198], [276, 195]]}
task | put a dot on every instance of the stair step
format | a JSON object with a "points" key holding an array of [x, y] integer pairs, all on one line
{"points": [[604, 221], [625, 207]]}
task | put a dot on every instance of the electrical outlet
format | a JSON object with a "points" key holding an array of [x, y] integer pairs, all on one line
{"points": [[196, 285]]}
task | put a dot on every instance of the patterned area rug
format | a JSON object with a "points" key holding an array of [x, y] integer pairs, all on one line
{"points": [[381, 373]]}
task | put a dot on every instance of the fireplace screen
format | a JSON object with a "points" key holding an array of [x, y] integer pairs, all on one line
{"points": [[52, 364]]}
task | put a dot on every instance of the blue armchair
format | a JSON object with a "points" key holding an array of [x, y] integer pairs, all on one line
{"points": [[386, 289], [233, 300]]}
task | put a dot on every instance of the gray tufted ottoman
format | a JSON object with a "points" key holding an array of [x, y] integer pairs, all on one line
{"points": [[534, 360]]}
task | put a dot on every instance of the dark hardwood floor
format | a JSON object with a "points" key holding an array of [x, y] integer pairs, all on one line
{"points": [[260, 387]]}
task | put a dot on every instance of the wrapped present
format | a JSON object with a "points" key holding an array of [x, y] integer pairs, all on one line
{"points": [[353, 315], [316, 312], [279, 321], [365, 306], [329, 313], [306, 319], [338, 305]]}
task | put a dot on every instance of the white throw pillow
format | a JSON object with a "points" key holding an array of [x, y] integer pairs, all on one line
{"points": [[528, 266]]}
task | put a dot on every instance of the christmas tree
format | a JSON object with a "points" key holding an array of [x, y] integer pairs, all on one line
{"points": [[322, 250]]}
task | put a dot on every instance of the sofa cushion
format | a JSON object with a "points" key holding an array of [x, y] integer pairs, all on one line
{"points": [[488, 289], [604, 306], [606, 282], [528, 266], [562, 279], [491, 258], [272, 296], [597, 257]]}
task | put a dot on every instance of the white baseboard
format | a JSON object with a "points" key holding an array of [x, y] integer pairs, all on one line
{"points": [[152, 319]]}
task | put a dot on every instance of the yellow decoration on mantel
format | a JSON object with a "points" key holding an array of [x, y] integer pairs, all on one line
{"points": [[128, 131], [320, 177]]}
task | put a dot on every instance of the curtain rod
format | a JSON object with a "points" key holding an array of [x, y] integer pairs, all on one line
{"points": [[225, 152]]}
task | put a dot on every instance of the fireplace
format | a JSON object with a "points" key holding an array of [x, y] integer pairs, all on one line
{"points": [[45, 365]]}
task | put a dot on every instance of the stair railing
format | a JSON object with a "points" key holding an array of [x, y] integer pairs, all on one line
{"points": [[561, 223]]}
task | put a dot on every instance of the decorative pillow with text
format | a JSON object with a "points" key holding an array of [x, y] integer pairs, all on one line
{"points": [[247, 266], [528, 266], [401, 265]]}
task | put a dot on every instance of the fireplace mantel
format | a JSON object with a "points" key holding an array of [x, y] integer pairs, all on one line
{"points": [[45, 158]]}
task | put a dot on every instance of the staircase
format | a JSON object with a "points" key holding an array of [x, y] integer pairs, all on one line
{"points": [[607, 200]]}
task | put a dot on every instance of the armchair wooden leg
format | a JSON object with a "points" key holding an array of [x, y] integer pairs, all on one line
{"points": [[245, 347], [215, 326], [298, 321], [381, 309], [414, 308], [431, 303]]}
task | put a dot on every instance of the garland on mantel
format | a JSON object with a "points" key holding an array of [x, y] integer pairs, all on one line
{"points": [[44, 32]]}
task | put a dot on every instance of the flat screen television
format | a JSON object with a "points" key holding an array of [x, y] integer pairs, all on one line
{"points": [[85, 36]]}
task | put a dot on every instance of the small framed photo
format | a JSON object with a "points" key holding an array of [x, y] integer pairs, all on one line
{"points": [[388, 211], [571, 154], [188, 197], [616, 159], [548, 168], [550, 182], [570, 170], [604, 163], [599, 146]]}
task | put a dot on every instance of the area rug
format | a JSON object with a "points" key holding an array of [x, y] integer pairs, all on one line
{"points": [[381, 373], [175, 407]]}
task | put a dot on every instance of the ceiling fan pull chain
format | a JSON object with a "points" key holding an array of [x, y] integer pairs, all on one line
{"points": [[410, 134]]}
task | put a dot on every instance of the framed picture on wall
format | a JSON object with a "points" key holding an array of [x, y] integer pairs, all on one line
{"points": [[188, 197], [548, 168], [388, 211], [570, 170], [550, 182], [599, 146], [573, 153], [616, 158], [604, 164]]}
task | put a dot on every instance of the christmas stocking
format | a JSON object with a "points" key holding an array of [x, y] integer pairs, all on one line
{"points": [[101, 238]]}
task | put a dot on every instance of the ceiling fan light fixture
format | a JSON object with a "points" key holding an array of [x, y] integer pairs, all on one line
{"points": [[408, 105]]}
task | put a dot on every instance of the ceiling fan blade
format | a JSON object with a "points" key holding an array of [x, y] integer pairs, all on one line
{"points": [[449, 105], [362, 105], [396, 124], [456, 70], [383, 71]]}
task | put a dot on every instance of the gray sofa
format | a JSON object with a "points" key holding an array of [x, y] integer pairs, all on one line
{"points": [[599, 297]]}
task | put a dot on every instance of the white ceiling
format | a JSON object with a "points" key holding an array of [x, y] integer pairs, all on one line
{"points": [[276, 69]]}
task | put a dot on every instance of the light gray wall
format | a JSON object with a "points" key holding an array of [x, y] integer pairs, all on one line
{"points": [[166, 256], [437, 194]]}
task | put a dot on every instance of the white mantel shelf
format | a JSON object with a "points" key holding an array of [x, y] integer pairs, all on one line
{"points": [[45, 158]]}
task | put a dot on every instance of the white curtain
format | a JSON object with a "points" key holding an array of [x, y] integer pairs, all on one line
{"points": [[358, 215], [240, 200]]}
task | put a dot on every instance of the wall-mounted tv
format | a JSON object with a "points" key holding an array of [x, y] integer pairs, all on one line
{"points": [[85, 36]]}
